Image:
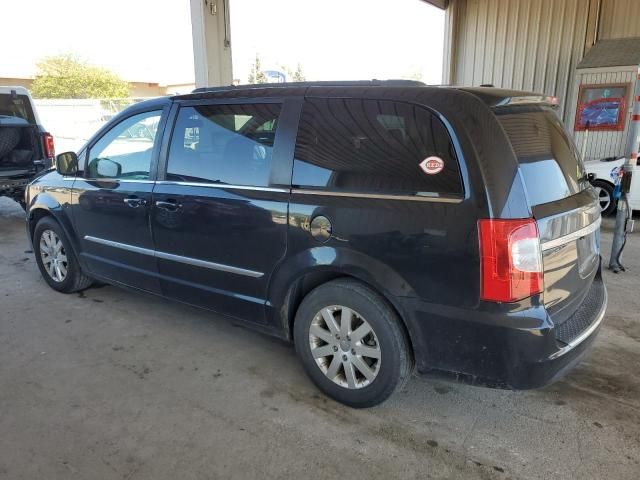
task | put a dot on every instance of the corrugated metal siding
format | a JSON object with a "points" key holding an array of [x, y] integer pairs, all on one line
{"points": [[619, 19], [602, 144], [521, 44]]}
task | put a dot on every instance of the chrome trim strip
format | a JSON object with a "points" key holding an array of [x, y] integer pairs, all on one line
{"points": [[224, 185], [175, 258], [558, 242], [126, 180], [118, 180], [587, 333], [418, 197]]}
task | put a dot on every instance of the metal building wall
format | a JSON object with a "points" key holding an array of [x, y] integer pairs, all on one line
{"points": [[521, 44], [619, 19]]}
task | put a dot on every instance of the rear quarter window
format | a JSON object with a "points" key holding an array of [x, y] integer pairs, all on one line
{"points": [[549, 163], [373, 146], [16, 106]]}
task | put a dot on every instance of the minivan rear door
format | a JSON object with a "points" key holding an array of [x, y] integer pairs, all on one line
{"points": [[562, 202]]}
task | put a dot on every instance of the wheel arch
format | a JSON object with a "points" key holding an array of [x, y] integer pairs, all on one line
{"points": [[44, 205], [293, 282]]}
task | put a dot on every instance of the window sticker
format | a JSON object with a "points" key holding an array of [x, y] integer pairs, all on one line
{"points": [[432, 165]]}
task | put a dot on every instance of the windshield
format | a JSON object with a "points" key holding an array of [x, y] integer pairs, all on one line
{"points": [[18, 106], [549, 163]]}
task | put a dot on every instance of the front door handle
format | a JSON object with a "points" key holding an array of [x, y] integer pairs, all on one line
{"points": [[135, 202], [170, 205]]}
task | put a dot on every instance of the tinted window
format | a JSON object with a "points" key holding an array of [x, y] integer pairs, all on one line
{"points": [[372, 146], [126, 150], [549, 163], [18, 106], [231, 144]]}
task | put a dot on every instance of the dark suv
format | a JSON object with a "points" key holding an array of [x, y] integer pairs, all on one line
{"points": [[378, 225]]}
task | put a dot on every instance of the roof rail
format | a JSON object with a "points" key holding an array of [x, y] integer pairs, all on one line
{"points": [[330, 83]]}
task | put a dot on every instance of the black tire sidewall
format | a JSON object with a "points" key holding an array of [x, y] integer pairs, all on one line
{"points": [[68, 284], [383, 321]]}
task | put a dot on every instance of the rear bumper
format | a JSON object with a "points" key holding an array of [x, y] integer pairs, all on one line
{"points": [[513, 346]]}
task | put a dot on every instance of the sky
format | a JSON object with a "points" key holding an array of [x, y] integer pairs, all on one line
{"points": [[150, 40]]}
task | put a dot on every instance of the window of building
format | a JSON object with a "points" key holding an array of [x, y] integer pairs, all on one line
{"points": [[601, 107], [374, 146], [229, 144]]}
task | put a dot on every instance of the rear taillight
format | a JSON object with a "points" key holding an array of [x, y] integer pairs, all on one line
{"points": [[49, 147], [510, 259]]}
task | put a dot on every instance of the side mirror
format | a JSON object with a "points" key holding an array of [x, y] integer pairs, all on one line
{"points": [[67, 163], [107, 168]]}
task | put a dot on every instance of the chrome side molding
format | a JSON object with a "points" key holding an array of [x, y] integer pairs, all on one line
{"points": [[175, 258]]}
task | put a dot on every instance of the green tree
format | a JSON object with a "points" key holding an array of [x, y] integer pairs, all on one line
{"points": [[256, 75], [292, 76], [66, 76], [298, 76]]}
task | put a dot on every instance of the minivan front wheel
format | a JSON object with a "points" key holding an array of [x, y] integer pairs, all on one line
{"points": [[56, 259], [351, 343]]}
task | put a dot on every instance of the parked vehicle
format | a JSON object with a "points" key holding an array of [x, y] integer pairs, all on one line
{"points": [[377, 225], [604, 174], [26, 148]]}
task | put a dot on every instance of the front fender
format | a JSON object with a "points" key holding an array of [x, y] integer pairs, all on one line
{"points": [[50, 203]]}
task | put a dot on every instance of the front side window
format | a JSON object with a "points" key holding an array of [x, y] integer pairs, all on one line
{"points": [[226, 144], [374, 146], [125, 151], [601, 107]]}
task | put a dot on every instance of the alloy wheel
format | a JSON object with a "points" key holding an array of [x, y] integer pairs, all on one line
{"points": [[345, 347], [53, 255], [604, 198]]}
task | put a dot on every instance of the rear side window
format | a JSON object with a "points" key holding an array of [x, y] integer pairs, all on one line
{"points": [[549, 163], [373, 146], [227, 144], [18, 106]]}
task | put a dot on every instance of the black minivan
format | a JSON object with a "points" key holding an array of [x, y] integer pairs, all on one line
{"points": [[381, 226]]}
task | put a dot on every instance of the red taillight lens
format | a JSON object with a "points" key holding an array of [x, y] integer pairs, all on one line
{"points": [[49, 147], [510, 259]]}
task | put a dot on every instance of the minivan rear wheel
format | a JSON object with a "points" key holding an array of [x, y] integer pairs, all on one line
{"points": [[351, 343], [56, 259]]}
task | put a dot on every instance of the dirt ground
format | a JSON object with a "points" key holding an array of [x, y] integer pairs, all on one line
{"points": [[107, 384]]}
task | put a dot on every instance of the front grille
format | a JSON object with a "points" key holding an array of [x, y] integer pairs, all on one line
{"points": [[577, 323]]}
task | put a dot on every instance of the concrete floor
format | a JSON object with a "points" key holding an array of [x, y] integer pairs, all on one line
{"points": [[108, 384]]}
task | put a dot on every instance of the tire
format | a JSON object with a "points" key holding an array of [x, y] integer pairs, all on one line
{"points": [[387, 340], [45, 249], [605, 191]]}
